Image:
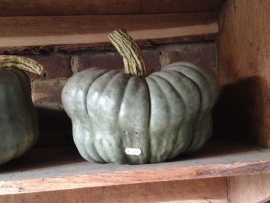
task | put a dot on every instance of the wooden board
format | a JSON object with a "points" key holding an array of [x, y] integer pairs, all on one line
{"points": [[49, 169], [101, 7], [243, 52], [249, 188], [212, 190], [83, 32]]}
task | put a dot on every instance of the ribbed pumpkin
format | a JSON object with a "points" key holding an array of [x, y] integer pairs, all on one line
{"points": [[19, 127], [134, 116]]}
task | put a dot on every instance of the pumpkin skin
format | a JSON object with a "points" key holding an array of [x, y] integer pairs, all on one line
{"points": [[165, 114], [19, 126], [18, 119]]}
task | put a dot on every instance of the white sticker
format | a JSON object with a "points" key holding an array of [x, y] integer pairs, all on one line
{"points": [[133, 151]]}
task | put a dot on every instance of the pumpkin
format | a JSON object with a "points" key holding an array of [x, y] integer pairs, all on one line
{"points": [[134, 116], [19, 127]]}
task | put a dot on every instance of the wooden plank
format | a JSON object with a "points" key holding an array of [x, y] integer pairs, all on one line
{"points": [[249, 188], [244, 62], [62, 168], [87, 31], [212, 190], [103, 7]]}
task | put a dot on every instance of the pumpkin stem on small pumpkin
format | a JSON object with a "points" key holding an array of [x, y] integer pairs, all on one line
{"points": [[134, 61], [22, 63]]}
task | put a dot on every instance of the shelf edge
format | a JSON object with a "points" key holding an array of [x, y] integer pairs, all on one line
{"points": [[133, 177]]}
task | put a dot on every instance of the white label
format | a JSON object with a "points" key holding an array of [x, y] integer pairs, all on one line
{"points": [[133, 151]]}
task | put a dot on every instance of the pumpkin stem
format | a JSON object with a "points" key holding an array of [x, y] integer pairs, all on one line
{"points": [[134, 61], [22, 63]]}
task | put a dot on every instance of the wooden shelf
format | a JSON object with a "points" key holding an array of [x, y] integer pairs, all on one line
{"points": [[47, 26], [49, 169], [74, 33]]}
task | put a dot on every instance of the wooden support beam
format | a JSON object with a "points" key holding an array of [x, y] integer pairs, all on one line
{"points": [[249, 188], [243, 52]]}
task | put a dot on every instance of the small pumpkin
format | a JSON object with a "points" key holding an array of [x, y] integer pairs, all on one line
{"points": [[134, 116], [19, 127]]}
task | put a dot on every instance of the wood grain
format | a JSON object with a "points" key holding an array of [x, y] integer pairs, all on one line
{"points": [[103, 7], [212, 190], [250, 188], [243, 52], [63, 168], [58, 32]]}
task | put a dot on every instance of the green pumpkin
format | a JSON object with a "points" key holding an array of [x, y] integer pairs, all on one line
{"points": [[127, 119], [19, 127]]}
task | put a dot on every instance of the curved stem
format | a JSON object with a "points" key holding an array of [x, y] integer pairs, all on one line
{"points": [[134, 61], [22, 63]]}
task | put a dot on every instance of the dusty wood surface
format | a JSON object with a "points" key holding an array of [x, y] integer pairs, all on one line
{"points": [[244, 64], [187, 191], [61, 169], [249, 188], [85, 32], [101, 7]]}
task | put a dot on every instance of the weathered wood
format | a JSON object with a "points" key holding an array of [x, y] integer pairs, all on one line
{"points": [[90, 7], [249, 188], [244, 62], [63, 168], [212, 190], [64, 32]]}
